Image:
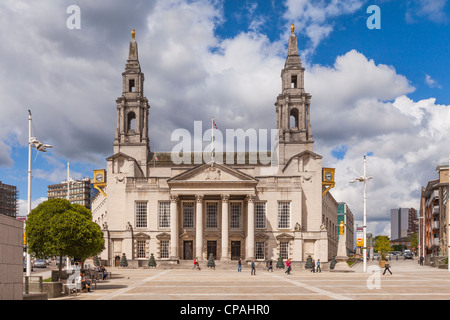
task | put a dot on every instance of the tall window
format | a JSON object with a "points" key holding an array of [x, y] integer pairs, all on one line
{"points": [[284, 215], [235, 215], [188, 214], [260, 215], [141, 214], [141, 249], [259, 250], [164, 249], [284, 250], [164, 214], [211, 215]]}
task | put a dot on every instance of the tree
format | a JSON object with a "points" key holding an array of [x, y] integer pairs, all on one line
{"points": [[382, 245], [58, 228]]}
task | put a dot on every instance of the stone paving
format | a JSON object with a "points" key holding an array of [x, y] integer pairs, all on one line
{"points": [[408, 282]]}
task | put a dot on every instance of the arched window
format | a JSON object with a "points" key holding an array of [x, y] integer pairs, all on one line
{"points": [[293, 119], [131, 121]]}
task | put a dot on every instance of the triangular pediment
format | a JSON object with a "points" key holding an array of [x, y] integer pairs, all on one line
{"points": [[212, 172]]}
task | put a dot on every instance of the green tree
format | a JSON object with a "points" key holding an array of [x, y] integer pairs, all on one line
{"points": [[382, 245], [58, 228]]}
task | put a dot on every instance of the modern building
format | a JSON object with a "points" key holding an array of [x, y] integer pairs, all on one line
{"points": [[329, 220], [345, 214], [429, 219], [79, 191], [443, 220], [212, 204], [402, 222], [8, 200]]}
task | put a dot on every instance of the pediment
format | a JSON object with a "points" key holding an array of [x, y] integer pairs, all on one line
{"points": [[212, 172], [284, 237], [142, 235]]}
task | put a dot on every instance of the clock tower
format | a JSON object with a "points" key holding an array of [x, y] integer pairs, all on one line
{"points": [[293, 106], [131, 137]]}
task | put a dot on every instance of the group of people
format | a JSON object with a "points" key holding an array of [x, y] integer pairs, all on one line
{"points": [[316, 266]]}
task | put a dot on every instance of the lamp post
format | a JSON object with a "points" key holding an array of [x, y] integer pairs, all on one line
{"points": [[364, 179], [32, 142]]}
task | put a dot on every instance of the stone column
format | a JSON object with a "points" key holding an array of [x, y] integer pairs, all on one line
{"points": [[173, 227], [250, 227], [225, 224], [199, 227]]}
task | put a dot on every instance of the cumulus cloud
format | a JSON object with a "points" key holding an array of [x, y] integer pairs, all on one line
{"points": [[72, 77], [361, 107], [316, 18]]}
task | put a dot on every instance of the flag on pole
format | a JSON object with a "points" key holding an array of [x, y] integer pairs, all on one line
{"points": [[214, 123]]}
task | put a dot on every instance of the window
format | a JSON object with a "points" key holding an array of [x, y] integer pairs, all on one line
{"points": [[294, 81], [164, 249], [188, 214], [284, 215], [284, 250], [164, 214], [141, 249], [235, 215], [211, 215], [259, 250], [260, 215], [132, 85], [141, 214]]}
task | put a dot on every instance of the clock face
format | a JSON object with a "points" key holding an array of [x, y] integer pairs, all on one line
{"points": [[328, 176], [99, 177]]}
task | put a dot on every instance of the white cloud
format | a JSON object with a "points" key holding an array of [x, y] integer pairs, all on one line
{"points": [[315, 18], [431, 82]]}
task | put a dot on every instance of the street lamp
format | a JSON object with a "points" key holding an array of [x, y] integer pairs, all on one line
{"points": [[32, 142], [364, 179]]}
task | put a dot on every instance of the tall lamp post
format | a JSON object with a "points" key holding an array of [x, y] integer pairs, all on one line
{"points": [[32, 142], [364, 179]]}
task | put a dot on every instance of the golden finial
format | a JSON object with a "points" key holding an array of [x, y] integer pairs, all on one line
{"points": [[133, 34], [292, 28]]}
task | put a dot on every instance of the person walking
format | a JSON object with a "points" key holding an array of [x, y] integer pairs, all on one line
{"points": [[195, 263], [270, 268], [239, 265], [253, 268], [313, 269], [318, 266], [386, 268], [288, 267]]}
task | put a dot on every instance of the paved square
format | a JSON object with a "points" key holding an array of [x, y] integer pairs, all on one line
{"points": [[408, 282]]}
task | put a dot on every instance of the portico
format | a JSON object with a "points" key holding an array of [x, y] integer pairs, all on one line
{"points": [[223, 199]]}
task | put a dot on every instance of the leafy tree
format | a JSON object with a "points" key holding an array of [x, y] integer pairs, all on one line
{"points": [[58, 228], [382, 245]]}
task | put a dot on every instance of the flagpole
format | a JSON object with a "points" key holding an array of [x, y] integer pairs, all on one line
{"points": [[212, 139]]}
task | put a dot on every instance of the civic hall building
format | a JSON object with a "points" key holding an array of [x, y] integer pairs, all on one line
{"points": [[250, 211]]}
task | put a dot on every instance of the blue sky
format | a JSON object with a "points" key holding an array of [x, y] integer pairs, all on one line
{"points": [[382, 92]]}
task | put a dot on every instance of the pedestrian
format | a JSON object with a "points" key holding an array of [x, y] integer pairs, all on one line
{"points": [[421, 260], [253, 268], [195, 263], [386, 267], [288, 266], [103, 271], [318, 266], [239, 265], [270, 268], [313, 269]]}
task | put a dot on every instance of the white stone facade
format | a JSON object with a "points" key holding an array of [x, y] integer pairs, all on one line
{"points": [[182, 211]]}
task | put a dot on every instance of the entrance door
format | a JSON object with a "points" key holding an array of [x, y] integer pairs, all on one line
{"points": [[188, 250], [211, 248], [235, 250]]}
